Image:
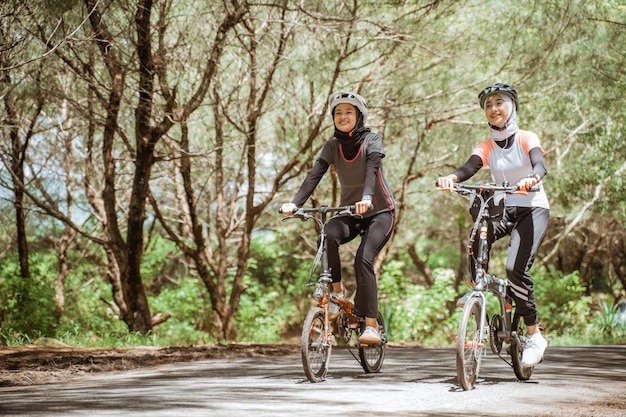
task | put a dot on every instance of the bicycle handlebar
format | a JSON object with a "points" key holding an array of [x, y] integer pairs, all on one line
{"points": [[321, 209], [468, 189], [325, 209]]}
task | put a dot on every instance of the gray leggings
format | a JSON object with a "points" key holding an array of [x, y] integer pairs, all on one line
{"points": [[527, 227], [375, 232]]}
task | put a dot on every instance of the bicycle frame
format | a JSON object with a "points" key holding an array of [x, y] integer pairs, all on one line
{"points": [[317, 333], [321, 292], [503, 327], [481, 279]]}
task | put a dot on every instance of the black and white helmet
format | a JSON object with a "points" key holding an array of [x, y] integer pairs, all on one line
{"points": [[350, 98], [498, 88]]}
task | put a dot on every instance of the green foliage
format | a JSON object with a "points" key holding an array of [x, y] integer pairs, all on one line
{"points": [[274, 280], [87, 303], [414, 313], [91, 322], [28, 309], [188, 311], [263, 315], [562, 305], [115, 337], [610, 323]]}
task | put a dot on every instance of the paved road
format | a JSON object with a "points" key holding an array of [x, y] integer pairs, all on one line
{"points": [[573, 381]]}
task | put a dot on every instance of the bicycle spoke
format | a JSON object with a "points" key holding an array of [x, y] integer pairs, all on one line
{"points": [[315, 348], [470, 344]]}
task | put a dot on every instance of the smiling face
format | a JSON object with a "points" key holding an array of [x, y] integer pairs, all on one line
{"points": [[345, 117], [497, 110]]}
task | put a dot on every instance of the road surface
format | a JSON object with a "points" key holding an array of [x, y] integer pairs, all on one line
{"points": [[572, 381]]}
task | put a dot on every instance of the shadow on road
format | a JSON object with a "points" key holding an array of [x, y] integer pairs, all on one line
{"points": [[572, 381]]}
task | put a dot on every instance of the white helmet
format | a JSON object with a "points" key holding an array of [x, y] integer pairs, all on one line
{"points": [[350, 98]]}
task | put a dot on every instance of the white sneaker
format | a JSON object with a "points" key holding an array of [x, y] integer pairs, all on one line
{"points": [[533, 351], [370, 336], [333, 309]]}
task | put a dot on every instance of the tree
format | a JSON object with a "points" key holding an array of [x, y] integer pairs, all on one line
{"points": [[156, 111], [192, 120], [17, 127]]}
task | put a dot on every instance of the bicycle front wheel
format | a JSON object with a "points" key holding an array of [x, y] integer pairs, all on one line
{"points": [[372, 356], [522, 373], [316, 346], [470, 344]]}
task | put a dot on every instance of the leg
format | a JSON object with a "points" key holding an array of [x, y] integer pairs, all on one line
{"points": [[339, 230], [377, 232], [530, 229], [526, 237], [533, 329]]}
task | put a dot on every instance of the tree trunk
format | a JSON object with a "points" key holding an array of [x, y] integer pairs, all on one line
{"points": [[16, 167]]}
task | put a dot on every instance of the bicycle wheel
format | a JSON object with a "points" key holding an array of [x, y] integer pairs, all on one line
{"points": [[372, 356], [470, 344], [522, 373], [315, 347]]}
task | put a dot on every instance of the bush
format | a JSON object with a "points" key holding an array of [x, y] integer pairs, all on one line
{"points": [[28, 309], [562, 305], [609, 323], [189, 314], [414, 313], [275, 291]]}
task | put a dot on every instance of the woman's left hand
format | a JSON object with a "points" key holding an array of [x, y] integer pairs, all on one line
{"points": [[527, 183], [363, 206]]}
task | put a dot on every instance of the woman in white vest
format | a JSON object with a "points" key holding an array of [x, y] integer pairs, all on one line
{"points": [[514, 156], [356, 154]]}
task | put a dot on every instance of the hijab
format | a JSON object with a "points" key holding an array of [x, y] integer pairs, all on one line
{"points": [[509, 129], [356, 134], [351, 141]]}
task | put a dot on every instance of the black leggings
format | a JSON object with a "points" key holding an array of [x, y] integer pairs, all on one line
{"points": [[375, 232], [527, 227]]}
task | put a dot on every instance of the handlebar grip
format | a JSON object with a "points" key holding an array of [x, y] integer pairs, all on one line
{"points": [[352, 207]]}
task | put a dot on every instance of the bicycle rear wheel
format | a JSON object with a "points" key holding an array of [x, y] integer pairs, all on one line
{"points": [[315, 346], [522, 373], [372, 356], [470, 344]]}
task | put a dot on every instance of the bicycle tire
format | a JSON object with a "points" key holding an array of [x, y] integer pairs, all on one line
{"points": [[314, 349], [372, 357], [522, 373], [470, 344]]}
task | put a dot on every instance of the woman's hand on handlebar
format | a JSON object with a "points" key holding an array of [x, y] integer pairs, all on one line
{"points": [[446, 183], [288, 209], [526, 183], [362, 206]]}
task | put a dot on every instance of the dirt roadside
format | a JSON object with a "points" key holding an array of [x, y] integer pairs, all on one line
{"points": [[34, 365]]}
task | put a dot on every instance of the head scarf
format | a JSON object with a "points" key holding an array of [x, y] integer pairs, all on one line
{"points": [[353, 136], [509, 128]]}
